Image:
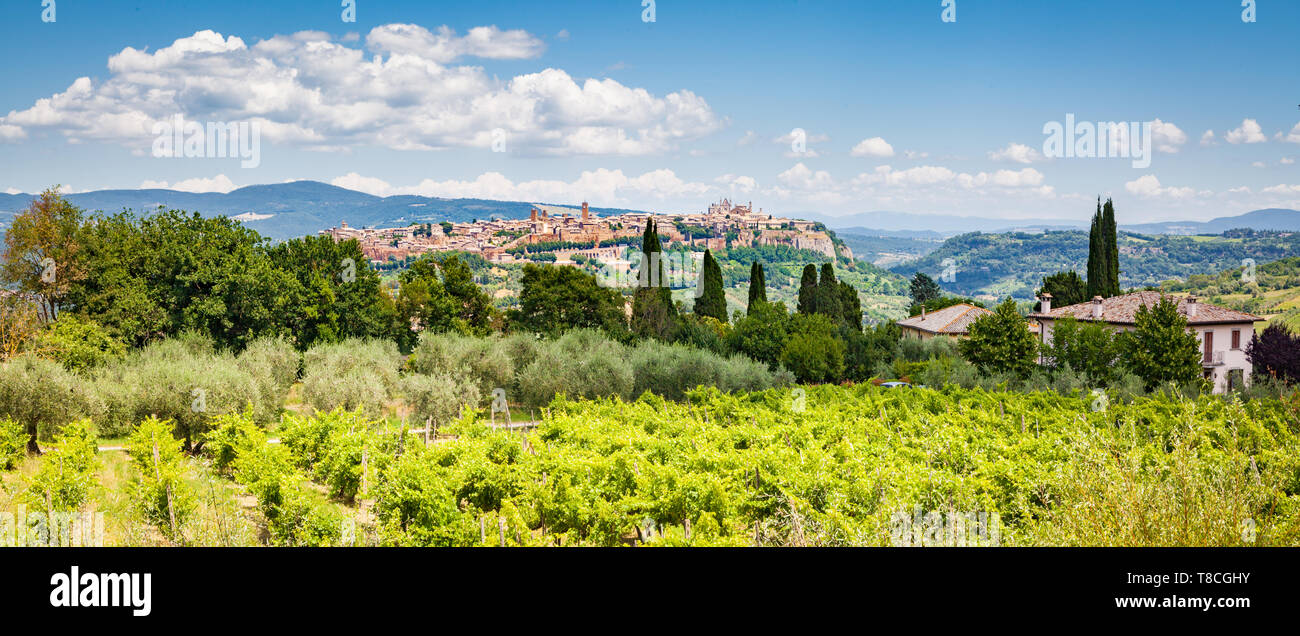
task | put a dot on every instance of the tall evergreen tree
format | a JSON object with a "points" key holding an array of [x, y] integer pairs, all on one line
{"points": [[851, 306], [1110, 231], [828, 294], [653, 313], [924, 289], [757, 285], [711, 301], [808, 290], [1096, 256]]}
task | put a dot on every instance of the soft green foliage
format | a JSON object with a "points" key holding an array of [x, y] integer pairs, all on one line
{"points": [[159, 489], [273, 364], [183, 380], [13, 442], [229, 433], [761, 333], [1066, 288], [66, 474], [671, 371], [485, 362], [1160, 349], [554, 299], [78, 344], [334, 293], [1001, 343], [42, 395], [581, 363], [1091, 348], [924, 289], [351, 374], [838, 466], [813, 352], [439, 397], [267, 470]]}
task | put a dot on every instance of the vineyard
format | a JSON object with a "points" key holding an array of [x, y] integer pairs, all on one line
{"points": [[802, 466]]}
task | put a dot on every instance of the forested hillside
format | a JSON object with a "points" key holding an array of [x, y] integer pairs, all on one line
{"points": [[1013, 264]]}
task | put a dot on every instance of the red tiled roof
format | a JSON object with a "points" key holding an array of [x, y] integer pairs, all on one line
{"points": [[949, 320], [1123, 310]]}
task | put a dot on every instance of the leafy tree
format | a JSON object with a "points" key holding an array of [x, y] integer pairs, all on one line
{"points": [[812, 352], [13, 443], [78, 344], [1066, 288], [757, 284], [712, 301], [1160, 348], [341, 295], [808, 290], [556, 299], [1275, 353], [1090, 348], [761, 334], [42, 255], [1001, 343], [924, 289]]}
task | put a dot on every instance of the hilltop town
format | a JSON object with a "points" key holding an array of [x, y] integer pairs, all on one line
{"points": [[568, 232]]}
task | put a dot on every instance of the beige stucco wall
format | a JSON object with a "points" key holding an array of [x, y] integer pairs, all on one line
{"points": [[1233, 359]]}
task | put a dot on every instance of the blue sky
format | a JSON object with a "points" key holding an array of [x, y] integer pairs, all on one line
{"points": [[900, 110]]}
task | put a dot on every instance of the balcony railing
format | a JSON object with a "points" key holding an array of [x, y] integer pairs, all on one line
{"points": [[1213, 359]]}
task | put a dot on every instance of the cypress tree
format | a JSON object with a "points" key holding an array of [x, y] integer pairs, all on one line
{"points": [[652, 304], [851, 305], [1111, 231], [1096, 256], [828, 294], [808, 290], [711, 301], [757, 284]]}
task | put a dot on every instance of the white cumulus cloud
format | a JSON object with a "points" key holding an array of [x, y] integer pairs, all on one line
{"points": [[873, 147], [1248, 133]]}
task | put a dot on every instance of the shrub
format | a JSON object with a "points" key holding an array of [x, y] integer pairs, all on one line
{"points": [[812, 352], [672, 370], [78, 344], [182, 380], [66, 474], [274, 364], [229, 433], [485, 361], [42, 395], [353, 374], [581, 363], [13, 443], [159, 489], [438, 397]]}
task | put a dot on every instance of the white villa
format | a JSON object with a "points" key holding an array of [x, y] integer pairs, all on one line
{"points": [[1223, 333]]}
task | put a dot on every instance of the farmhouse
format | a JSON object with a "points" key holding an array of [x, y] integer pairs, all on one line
{"points": [[949, 321], [1223, 333]]}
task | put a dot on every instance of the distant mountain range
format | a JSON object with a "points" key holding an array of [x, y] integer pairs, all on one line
{"points": [[287, 210]]}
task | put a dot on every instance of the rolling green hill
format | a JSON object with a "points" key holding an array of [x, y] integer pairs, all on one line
{"points": [[992, 266]]}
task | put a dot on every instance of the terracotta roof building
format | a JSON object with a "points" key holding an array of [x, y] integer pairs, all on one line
{"points": [[949, 321], [1222, 332]]}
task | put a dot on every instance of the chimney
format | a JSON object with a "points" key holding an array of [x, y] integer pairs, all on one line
{"points": [[1096, 308], [1192, 307], [1046, 299], [922, 312]]}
